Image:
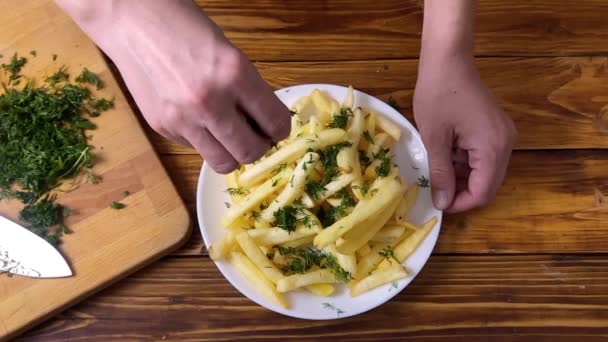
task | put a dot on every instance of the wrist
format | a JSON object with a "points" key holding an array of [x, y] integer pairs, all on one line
{"points": [[447, 33]]}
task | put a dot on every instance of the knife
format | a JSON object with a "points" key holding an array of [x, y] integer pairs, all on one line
{"points": [[26, 254]]}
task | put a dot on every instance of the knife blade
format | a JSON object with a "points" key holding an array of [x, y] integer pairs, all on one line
{"points": [[26, 254]]}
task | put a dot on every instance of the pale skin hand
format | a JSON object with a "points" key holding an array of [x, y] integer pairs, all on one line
{"points": [[191, 84], [468, 137]]}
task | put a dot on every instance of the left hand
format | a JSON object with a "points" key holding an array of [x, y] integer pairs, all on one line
{"points": [[468, 136]]}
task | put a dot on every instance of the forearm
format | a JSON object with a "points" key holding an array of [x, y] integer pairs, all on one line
{"points": [[448, 28]]}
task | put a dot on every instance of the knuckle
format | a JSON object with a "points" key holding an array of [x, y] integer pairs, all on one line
{"points": [[231, 65], [223, 166], [198, 94], [279, 128], [249, 155]]}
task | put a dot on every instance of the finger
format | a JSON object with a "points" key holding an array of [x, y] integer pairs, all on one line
{"points": [[238, 137], [262, 105], [439, 144], [484, 180], [220, 160]]}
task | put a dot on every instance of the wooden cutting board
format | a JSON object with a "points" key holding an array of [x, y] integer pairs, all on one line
{"points": [[107, 244]]}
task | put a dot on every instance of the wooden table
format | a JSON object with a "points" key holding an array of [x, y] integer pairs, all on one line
{"points": [[530, 265]]}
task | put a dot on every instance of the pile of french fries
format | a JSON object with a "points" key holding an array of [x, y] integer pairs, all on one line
{"points": [[369, 237]]}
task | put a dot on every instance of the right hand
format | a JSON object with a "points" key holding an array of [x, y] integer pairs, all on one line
{"points": [[191, 84]]}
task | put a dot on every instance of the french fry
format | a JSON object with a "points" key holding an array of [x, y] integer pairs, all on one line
{"points": [[334, 202], [323, 104], [257, 278], [370, 171], [388, 233], [299, 280], [290, 153], [305, 108], [406, 247], [334, 106], [370, 261], [307, 201], [357, 127], [361, 234], [296, 128], [221, 249], [385, 195], [277, 236], [334, 186], [323, 290], [370, 122], [294, 189], [381, 277], [254, 254], [315, 125], [232, 182], [255, 198], [347, 262], [381, 141], [363, 251], [349, 99], [389, 127], [346, 159], [307, 240], [407, 203]]}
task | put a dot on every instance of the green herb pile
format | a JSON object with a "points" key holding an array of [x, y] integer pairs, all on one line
{"points": [[43, 141], [300, 260], [330, 167]]}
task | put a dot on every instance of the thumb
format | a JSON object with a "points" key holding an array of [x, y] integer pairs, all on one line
{"points": [[443, 179]]}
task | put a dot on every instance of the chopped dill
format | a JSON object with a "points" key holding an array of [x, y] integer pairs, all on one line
{"points": [[423, 182], [340, 119]]}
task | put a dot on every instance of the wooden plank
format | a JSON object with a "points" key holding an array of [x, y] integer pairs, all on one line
{"points": [[455, 298], [552, 201], [555, 102], [351, 29]]}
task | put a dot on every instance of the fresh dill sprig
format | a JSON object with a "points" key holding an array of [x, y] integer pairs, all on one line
{"points": [[315, 189], [333, 214], [279, 168], [13, 68], [237, 191], [340, 119], [384, 167], [368, 137], [86, 76], [364, 188], [389, 254], [330, 164], [423, 182], [117, 205], [286, 218], [300, 260]]}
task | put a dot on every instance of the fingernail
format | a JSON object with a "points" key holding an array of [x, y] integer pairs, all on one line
{"points": [[441, 199]]}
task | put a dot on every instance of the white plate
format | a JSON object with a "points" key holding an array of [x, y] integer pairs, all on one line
{"points": [[411, 157]]}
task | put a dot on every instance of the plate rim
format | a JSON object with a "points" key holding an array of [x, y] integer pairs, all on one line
{"points": [[290, 312]]}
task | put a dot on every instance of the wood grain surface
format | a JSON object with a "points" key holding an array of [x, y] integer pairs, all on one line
{"points": [[530, 266], [107, 244], [275, 30], [455, 298]]}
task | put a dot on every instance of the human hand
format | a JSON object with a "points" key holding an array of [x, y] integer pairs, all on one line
{"points": [[468, 136], [191, 84]]}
